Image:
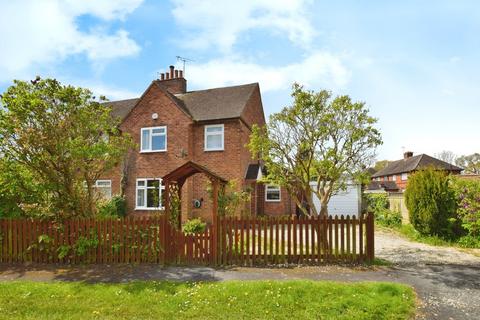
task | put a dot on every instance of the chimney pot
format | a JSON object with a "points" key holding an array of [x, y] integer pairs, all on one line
{"points": [[176, 73], [407, 154], [181, 73], [171, 71], [167, 76], [162, 76]]}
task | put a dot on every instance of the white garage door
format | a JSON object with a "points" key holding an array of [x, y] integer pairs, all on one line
{"points": [[346, 202]]}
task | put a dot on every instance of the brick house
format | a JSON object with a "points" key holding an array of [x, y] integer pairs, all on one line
{"points": [[171, 126], [394, 177]]}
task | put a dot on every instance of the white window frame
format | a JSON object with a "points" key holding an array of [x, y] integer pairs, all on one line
{"points": [[145, 187], [404, 176], [394, 177], [150, 129], [206, 134], [96, 186], [277, 188]]}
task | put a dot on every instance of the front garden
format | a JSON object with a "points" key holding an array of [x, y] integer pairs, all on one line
{"points": [[206, 300]]}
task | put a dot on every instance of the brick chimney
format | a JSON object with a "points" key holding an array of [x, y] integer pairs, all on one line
{"points": [[173, 81], [407, 154]]}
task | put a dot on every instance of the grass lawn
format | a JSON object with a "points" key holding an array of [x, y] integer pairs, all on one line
{"points": [[206, 300]]}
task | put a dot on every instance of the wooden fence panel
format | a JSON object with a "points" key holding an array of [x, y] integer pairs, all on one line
{"points": [[239, 241]]}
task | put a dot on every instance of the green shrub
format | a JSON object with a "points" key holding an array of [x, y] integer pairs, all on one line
{"points": [[378, 204], [469, 242], [431, 202], [468, 202], [115, 207], [194, 226]]}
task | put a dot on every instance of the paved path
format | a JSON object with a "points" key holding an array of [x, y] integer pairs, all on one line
{"points": [[447, 280]]}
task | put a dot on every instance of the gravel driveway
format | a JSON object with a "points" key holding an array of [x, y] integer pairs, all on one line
{"points": [[447, 280], [401, 251]]}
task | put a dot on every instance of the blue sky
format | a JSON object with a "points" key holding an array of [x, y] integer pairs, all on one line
{"points": [[415, 63]]}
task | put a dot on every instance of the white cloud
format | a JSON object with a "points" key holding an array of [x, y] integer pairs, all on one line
{"points": [[37, 34], [319, 69], [220, 23]]}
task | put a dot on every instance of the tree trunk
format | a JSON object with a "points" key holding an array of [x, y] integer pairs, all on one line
{"points": [[323, 209]]}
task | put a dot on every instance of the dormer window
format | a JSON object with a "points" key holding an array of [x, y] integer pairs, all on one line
{"points": [[153, 139], [214, 137]]}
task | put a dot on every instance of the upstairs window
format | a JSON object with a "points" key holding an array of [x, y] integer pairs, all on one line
{"points": [[153, 139], [214, 136], [404, 176], [104, 188], [272, 193], [149, 194]]}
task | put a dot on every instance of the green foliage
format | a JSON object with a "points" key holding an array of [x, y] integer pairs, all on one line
{"points": [[233, 300], [114, 207], [230, 198], [194, 226], [469, 241], [318, 138], [83, 244], [63, 251], [379, 205], [55, 142], [431, 203], [468, 201]]}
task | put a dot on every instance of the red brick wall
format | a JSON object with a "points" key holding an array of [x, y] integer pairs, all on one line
{"points": [[185, 141]]}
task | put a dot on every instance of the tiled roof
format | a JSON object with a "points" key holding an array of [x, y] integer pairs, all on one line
{"points": [[415, 163], [201, 105]]}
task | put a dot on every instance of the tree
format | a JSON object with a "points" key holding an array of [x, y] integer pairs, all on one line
{"points": [[379, 165], [447, 156], [431, 203], [470, 163], [58, 140], [317, 139]]}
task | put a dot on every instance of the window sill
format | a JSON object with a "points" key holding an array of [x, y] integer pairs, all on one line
{"points": [[149, 209], [210, 150], [279, 200], [155, 151]]}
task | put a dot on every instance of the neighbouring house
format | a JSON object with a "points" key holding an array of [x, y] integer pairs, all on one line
{"points": [[398, 171], [171, 126], [393, 179]]}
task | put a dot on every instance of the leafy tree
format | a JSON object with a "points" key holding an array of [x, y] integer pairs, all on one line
{"points": [[447, 156], [431, 203], [379, 165], [470, 163], [316, 139], [55, 142]]}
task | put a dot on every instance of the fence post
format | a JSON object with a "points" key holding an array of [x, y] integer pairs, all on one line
{"points": [[370, 226]]}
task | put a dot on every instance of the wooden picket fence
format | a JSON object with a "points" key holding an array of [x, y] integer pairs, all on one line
{"points": [[247, 241], [282, 240]]}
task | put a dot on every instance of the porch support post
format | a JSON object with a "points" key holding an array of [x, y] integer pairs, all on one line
{"points": [[215, 224], [167, 199]]}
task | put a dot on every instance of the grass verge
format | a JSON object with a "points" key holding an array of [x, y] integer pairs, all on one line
{"points": [[206, 300]]}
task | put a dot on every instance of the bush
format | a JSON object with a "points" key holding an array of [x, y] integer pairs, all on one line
{"points": [[115, 207], [379, 205], [194, 226], [468, 202], [431, 202]]}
